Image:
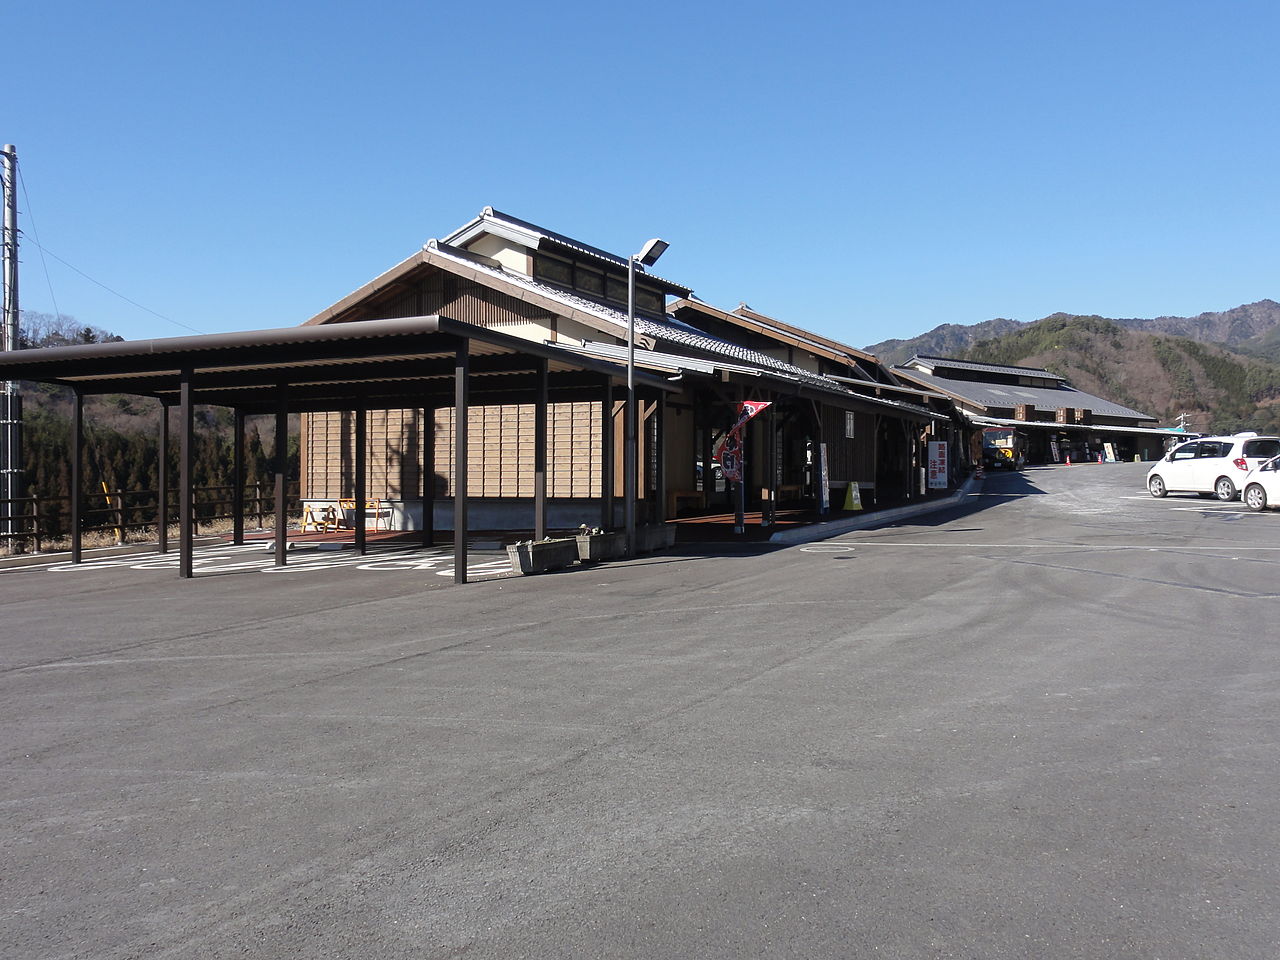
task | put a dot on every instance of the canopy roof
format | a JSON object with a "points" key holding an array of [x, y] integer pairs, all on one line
{"points": [[408, 362]]}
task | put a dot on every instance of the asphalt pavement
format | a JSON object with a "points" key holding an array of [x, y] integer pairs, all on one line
{"points": [[1040, 724]]}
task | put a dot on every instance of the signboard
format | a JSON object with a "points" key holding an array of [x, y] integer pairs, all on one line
{"points": [[938, 471]]}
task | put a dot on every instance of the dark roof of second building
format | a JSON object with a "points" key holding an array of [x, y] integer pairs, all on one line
{"points": [[1002, 369], [988, 395]]}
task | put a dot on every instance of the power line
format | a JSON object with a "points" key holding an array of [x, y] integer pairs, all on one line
{"points": [[36, 233], [135, 303]]}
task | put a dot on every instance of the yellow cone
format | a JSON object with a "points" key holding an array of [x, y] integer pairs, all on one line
{"points": [[853, 497]]}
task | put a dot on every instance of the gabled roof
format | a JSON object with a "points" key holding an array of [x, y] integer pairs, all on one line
{"points": [[491, 221]]}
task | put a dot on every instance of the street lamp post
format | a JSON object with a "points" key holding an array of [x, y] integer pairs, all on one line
{"points": [[647, 257]]}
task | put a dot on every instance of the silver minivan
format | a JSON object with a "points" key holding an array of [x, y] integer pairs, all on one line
{"points": [[1211, 466]]}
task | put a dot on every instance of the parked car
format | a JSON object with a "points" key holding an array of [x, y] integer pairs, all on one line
{"points": [[998, 458], [1261, 486], [1211, 466], [717, 475]]}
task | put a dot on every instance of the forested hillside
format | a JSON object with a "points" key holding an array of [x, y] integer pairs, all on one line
{"points": [[1219, 390], [122, 433]]}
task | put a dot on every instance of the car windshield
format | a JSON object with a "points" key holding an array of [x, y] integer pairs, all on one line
{"points": [[1264, 447]]}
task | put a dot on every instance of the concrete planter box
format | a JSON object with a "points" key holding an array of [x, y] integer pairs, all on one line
{"points": [[593, 547], [656, 536], [537, 556]]}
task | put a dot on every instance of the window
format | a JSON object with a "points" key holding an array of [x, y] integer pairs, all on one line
{"points": [[589, 281], [850, 424], [649, 300], [1185, 452], [616, 289], [1262, 448], [553, 270]]}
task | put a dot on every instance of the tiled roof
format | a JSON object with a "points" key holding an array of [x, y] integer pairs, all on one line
{"points": [[1012, 395], [669, 329]]}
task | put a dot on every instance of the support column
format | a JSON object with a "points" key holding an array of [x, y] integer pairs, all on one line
{"points": [[660, 460], [740, 494], [606, 456], [428, 476], [77, 479], [708, 465], [162, 482], [540, 455], [461, 384], [361, 478], [186, 478], [237, 479], [281, 467], [769, 509]]}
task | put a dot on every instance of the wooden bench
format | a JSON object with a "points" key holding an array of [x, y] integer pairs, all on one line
{"points": [[676, 497]]}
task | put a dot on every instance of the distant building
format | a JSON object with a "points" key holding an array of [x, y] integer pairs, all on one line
{"points": [[1041, 417]]}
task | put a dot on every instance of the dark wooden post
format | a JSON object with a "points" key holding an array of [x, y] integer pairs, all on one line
{"points": [[428, 476], [186, 478], [660, 460], [281, 467], [361, 478], [708, 469], [606, 456], [461, 383], [162, 481], [237, 479], [769, 509], [540, 454], [77, 460]]}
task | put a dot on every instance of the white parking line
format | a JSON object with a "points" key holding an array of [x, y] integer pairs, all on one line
{"points": [[252, 557], [1234, 548]]}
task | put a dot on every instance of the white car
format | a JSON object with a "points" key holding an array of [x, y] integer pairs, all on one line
{"points": [[1211, 466], [1261, 488]]}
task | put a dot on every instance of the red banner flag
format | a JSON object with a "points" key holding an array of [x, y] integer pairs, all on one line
{"points": [[729, 449]]}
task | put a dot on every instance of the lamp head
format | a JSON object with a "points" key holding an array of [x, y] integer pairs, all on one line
{"points": [[651, 251]]}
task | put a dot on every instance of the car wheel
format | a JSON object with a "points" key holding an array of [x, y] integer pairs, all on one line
{"points": [[1156, 486], [1225, 489], [1255, 497]]}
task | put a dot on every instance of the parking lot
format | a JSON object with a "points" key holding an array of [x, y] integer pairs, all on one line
{"points": [[1040, 724]]}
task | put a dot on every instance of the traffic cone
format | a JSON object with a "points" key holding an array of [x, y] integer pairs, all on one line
{"points": [[853, 497], [1068, 459]]}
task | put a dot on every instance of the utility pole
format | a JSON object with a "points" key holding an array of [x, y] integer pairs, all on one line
{"points": [[11, 408]]}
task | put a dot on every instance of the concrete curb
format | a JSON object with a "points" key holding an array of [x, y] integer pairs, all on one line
{"points": [[825, 531]]}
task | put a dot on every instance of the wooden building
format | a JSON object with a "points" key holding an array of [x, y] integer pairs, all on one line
{"points": [[502, 273]]}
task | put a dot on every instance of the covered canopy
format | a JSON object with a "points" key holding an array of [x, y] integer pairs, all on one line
{"points": [[410, 362]]}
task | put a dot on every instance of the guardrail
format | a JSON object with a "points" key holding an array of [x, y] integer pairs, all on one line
{"points": [[28, 523]]}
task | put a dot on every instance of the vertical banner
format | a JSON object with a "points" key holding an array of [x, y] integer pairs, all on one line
{"points": [[824, 486], [729, 447], [938, 470]]}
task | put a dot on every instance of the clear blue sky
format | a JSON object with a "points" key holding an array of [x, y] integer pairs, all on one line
{"points": [[868, 170]]}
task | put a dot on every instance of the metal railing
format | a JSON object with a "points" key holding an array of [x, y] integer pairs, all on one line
{"points": [[42, 521]]}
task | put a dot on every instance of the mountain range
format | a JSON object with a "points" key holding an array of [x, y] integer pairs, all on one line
{"points": [[1220, 371]]}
